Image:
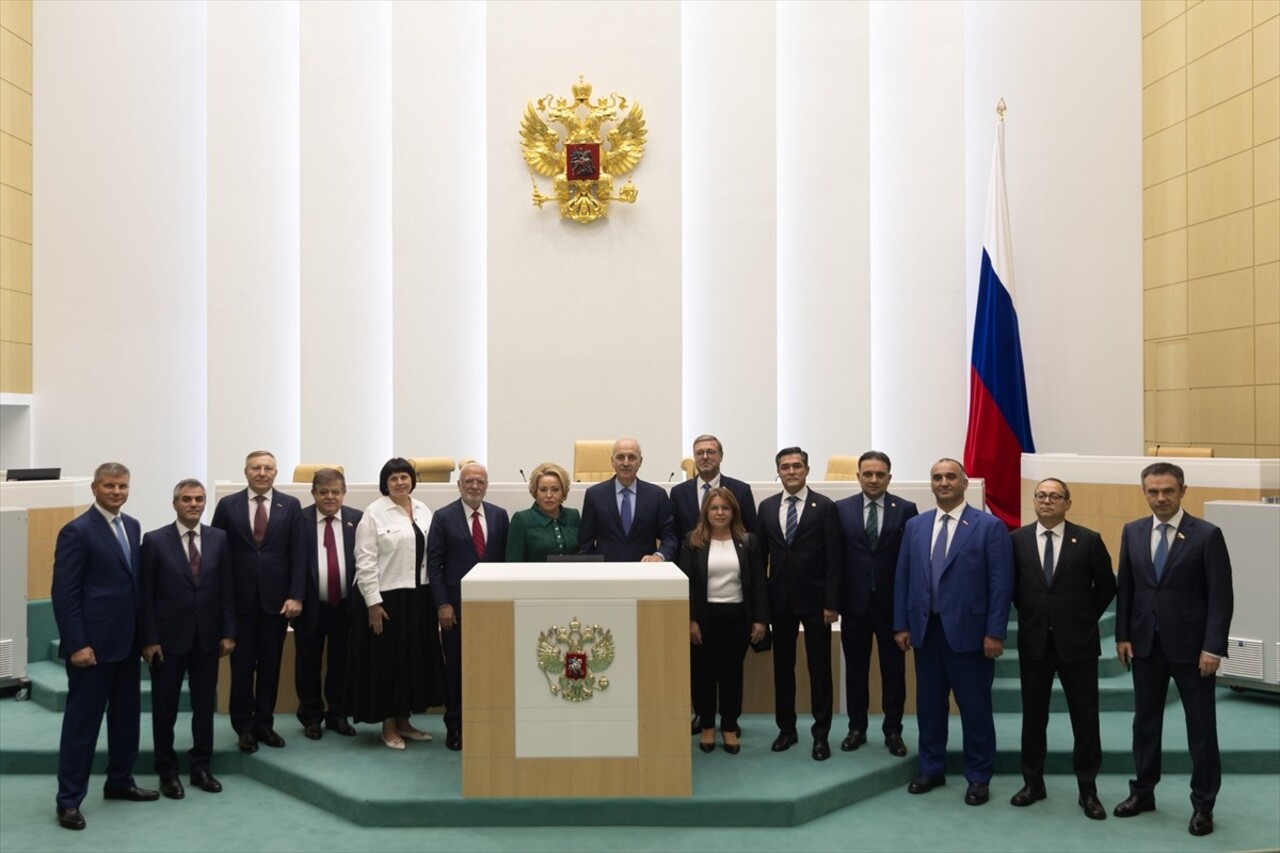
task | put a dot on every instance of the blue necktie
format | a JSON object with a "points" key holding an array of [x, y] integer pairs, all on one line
{"points": [[939, 559], [118, 524], [706, 490], [626, 512], [793, 518], [1162, 551], [1048, 557]]}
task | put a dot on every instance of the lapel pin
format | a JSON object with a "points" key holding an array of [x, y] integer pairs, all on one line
{"points": [[1073, 540], [1180, 536], [813, 503], [893, 504], [965, 523]]}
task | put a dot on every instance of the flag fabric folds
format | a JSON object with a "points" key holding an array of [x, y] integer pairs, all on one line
{"points": [[999, 425]]}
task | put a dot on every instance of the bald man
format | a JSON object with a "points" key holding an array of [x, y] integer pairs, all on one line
{"points": [[626, 519]]}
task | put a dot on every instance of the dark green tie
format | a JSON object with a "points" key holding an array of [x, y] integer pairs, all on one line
{"points": [[873, 525]]}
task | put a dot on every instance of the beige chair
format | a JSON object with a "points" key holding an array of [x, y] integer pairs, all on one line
{"points": [[841, 468], [1185, 452], [592, 460], [432, 469], [690, 469], [304, 473]]}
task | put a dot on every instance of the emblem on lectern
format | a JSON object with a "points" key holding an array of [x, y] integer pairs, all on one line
{"points": [[572, 658]]}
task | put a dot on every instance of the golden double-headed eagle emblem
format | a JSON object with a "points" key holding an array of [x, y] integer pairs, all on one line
{"points": [[582, 168], [573, 657]]}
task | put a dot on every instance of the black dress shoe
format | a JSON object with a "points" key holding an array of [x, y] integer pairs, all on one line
{"points": [[342, 727], [70, 818], [707, 747], [923, 784], [895, 745], [1134, 806], [784, 741], [821, 750], [270, 738], [1201, 823], [1027, 795], [695, 725], [977, 794], [313, 731], [204, 780], [172, 788], [733, 748], [853, 740], [248, 743], [453, 740], [1092, 807], [134, 794]]}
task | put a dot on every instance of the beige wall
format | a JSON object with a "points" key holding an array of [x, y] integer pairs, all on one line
{"points": [[1211, 224], [15, 196]]}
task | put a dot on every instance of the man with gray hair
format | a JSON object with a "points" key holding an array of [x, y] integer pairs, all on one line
{"points": [[624, 518]]}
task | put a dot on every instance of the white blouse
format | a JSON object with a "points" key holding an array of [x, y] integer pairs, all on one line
{"points": [[724, 573], [385, 548]]}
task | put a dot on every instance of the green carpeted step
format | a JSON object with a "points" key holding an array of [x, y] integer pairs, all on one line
{"points": [[1108, 665], [1114, 694], [49, 687]]}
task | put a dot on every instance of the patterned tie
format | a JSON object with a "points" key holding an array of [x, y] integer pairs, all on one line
{"points": [[260, 520], [793, 519], [1162, 551], [331, 561], [939, 558], [193, 556], [873, 525], [706, 490], [1048, 557], [626, 512], [123, 539], [477, 534]]}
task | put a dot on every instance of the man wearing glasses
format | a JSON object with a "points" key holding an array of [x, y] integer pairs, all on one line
{"points": [[1062, 585]]}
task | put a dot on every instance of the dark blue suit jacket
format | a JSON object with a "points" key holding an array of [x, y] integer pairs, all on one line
{"points": [[277, 570], [804, 577], [976, 586], [176, 612], [95, 592], [686, 501], [861, 563], [450, 552], [1064, 614], [1191, 606], [653, 526], [348, 518]]}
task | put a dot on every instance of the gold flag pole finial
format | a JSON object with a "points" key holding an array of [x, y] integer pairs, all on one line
{"points": [[1000, 109]]}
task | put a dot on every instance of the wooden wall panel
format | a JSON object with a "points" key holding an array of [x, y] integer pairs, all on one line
{"points": [[15, 111], [1164, 51], [1164, 103], [1220, 74], [1164, 206], [1220, 245], [1170, 364], [1165, 311], [1266, 233], [1222, 415], [1220, 302], [1223, 358], [1266, 172], [1220, 188], [1267, 352], [16, 186], [1268, 415], [1220, 131], [1266, 51], [1157, 13], [15, 265], [1266, 111], [1173, 422], [15, 367], [1210, 25], [1266, 293]]}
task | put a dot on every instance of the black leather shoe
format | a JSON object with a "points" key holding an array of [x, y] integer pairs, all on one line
{"points": [[313, 731], [204, 780], [1092, 807], [895, 745], [70, 818], [784, 741], [342, 727], [1201, 823], [977, 794], [1134, 806], [270, 738], [853, 740], [134, 794], [695, 725], [172, 788], [248, 743], [733, 748], [707, 747], [1027, 795], [453, 740], [923, 784], [821, 750]]}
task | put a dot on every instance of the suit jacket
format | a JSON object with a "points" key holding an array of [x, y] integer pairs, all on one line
{"points": [[175, 611], [1083, 586], [451, 553], [277, 570], [1191, 605], [976, 585], [348, 518], [755, 596], [95, 592], [861, 563], [804, 577], [653, 527], [686, 502]]}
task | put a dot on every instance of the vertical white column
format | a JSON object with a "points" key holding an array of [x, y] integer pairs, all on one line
{"points": [[919, 354], [729, 148], [253, 306], [824, 345], [438, 231], [346, 347], [119, 218]]}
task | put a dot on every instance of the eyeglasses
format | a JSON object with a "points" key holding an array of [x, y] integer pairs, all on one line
{"points": [[1049, 497], [475, 481]]}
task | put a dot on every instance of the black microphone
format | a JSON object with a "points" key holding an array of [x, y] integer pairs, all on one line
{"points": [[523, 478], [672, 477]]}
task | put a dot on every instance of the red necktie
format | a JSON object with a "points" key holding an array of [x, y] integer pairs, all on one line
{"points": [[193, 555], [260, 520], [331, 549], [477, 535]]}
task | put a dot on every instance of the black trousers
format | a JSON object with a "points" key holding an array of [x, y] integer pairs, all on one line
{"points": [[331, 629], [725, 637], [255, 669], [855, 639], [1080, 684], [201, 672], [817, 647], [451, 646]]}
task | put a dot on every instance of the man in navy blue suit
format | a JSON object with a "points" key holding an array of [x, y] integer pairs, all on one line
{"points": [[871, 525], [626, 519], [463, 533], [187, 613], [95, 569], [268, 557], [331, 569], [1173, 610], [951, 602]]}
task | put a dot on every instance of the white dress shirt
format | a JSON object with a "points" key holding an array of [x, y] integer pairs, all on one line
{"points": [[1173, 523], [253, 506], [386, 547], [955, 514], [183, 530], [803, 495]]}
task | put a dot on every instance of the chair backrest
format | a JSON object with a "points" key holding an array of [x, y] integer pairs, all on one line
{"points": [[690, 470], [592, 460], [1186, 452], [432, 469], [842, 468], [303, 473]]}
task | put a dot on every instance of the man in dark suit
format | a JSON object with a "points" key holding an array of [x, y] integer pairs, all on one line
{"points": [[802, 537], [1173, 611], [463, 533], [95, 565], [951, 601], [624, 518], [871, 525], [331, 569], [187, 622], [1062, 586], [268, 557]]}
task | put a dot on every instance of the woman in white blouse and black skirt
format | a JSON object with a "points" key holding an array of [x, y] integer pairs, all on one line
{"points": [[728, 609]]}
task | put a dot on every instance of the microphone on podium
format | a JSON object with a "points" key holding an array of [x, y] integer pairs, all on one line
{"points": [[523, 478]]}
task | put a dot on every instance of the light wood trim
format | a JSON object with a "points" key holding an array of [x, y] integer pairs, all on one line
{"points": [[662, 634], [1266, 50], [1220, 358], [1170, 364], [15, 316], [15, 265], [1211, 25], [1223, 73], [664, 776], [1173, 419], [15, 60], [15, 368], [1222, 415], [15, 162], [1164, 50], [1266, 233], [1164, 259], [1220, 245], [1164, 154], [15, 16], [1219, 302], [1266, 111], [15, 213], [488, 636], [1266, 293], [1164, 208], [1220, 132], [1164, 102], [1157, 13], [1268, 417], [15, 111], [1164, 311], [1266, 172], [488, 777], [1267, 352], [1220, 188], [578, 777]]}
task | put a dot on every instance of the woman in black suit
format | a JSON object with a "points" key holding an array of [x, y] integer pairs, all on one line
{"points": [[728, 608]]}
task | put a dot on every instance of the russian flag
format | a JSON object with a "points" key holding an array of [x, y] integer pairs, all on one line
{"points": [[999, 426]]}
